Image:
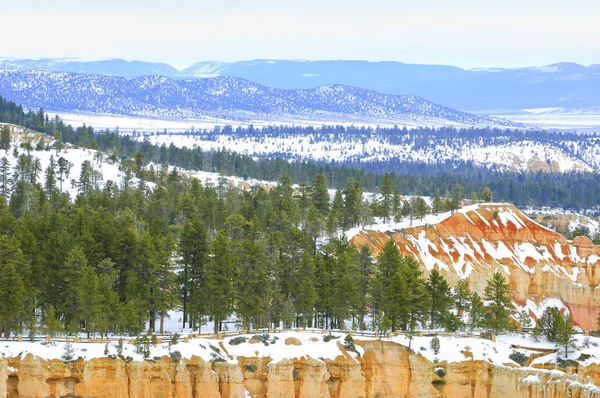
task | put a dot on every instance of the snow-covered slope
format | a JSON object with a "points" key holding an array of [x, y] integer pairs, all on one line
{"points": [[523, 155], [230, 97], [538, 263], [75, 156]]}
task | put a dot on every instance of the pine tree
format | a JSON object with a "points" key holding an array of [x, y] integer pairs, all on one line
{"points": [[366, 271], [477, 312], [396, 206], [5, 138], [320, 194], [352, 204], [486, 195], [12, 289], [524, 319], [193, 247], [88, 300], [4, 177], [386, 191], [251, 280], [387, 284], [345, 276], [547, 324], [421, 208], [69, 275], [418, 301], [109, 306], [437, 204], [499, 303], [313, 227], [64, 169], [335, 214], [461, 296], [565, 334], [441, 299], [304, 292], [50, 178], [218, 283], [51, 323]]}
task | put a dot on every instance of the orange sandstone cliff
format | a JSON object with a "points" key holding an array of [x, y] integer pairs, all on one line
{"points": [[385, 370], [538, 263]]}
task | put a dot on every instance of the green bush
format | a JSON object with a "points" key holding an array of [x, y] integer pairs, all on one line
{"points": [[519, 357], [237, 340], [435, 345], [329, 337], [175, 356]]}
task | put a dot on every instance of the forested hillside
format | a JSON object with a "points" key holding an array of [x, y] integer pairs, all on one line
{"points": [[120, 255], [568, 190], [369, 147]]}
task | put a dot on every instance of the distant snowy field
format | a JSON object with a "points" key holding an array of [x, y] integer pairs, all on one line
{"points": [[147, 124], [555, 118]]}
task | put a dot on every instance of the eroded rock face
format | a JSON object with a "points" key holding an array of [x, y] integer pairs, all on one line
{"points": [[311, 378], [280, 383], [3, 378], [385, 370], [537, 262]]}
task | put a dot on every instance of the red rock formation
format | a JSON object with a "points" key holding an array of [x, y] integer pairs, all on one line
{"points": [[538, 262]]}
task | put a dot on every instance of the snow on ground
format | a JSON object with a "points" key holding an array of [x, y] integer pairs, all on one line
{"points": [[554, 118], [452, 348], [75, 156], [513, 155], [179, 125], [312, 345], [406, 222]]}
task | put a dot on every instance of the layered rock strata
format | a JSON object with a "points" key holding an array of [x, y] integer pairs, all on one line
{"points": [[385, 370], [538, 263]]}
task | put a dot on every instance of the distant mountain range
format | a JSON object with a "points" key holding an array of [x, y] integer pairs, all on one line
{"points": [[227, 97], [564, 85]]}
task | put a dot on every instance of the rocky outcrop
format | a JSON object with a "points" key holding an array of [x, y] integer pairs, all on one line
{"points": [[537, 262], [385, 370]]}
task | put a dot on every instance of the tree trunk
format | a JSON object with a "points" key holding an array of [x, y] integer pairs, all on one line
{"points": [[185, 295]]}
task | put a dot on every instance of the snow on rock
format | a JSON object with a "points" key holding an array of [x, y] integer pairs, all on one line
{"points": [[538, 263]]}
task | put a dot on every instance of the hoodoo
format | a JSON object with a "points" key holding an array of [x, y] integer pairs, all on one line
{"points": [[540, 264]]}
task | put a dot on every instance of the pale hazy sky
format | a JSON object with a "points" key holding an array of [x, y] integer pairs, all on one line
{"points": [[467, 33]]}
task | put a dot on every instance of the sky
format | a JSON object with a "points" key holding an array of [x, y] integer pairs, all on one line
{"points": [[465, 33]]}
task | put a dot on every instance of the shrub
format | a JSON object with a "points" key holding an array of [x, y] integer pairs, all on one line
{"points": [[175, 356], [435, 345], [263, 338], [237, 340], [584, 357], [142, 346], [519, 357], [349, 344], [565, 363], [216, 357], [174, 340], [327, 338], [120, 346]]}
